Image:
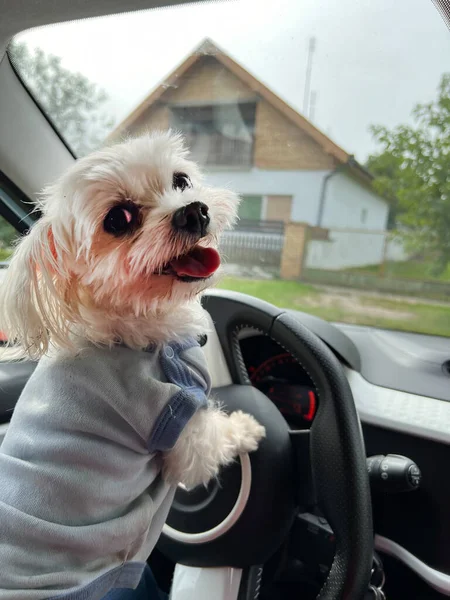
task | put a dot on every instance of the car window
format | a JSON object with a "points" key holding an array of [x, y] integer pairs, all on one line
{"points": [[8, 237], [331, 120]]}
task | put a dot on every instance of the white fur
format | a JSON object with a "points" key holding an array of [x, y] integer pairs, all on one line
{"points": [[70, 281], [210, 440]]}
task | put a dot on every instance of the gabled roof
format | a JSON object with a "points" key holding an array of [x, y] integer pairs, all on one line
{"points": [[209, 48]]}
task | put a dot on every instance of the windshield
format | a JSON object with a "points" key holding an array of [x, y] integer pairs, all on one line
{"points": [[330, 119]]}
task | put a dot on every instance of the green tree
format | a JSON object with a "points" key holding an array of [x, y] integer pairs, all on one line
{"points": [[72, 102], [412, 171]]}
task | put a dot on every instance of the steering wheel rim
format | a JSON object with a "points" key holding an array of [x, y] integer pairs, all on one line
{"points": [[336, 453]]}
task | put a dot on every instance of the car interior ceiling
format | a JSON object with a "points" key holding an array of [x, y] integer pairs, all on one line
{"points": [[32, 153]]}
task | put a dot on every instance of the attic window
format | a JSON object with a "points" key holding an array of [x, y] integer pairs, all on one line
{"points": [[218, 134]]}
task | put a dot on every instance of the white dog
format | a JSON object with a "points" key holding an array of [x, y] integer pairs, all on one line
{"points": [[106, 289]]}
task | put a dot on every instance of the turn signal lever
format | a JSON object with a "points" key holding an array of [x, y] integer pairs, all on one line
{"points": [[393, 473]]}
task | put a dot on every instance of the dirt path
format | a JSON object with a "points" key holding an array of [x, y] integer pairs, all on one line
{"points": [[350, 301], [343, 291]]}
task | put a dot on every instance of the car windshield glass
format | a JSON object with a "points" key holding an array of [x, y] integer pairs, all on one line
{"points": [[330, 119]]}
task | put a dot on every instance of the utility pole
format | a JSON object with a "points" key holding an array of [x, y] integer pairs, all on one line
{"points": [[312, 106], [306, 97]]}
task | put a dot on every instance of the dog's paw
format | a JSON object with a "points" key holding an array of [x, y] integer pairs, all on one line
{"points": [[246, 431]]}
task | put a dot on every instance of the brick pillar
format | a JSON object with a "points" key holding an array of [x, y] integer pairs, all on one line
{"points": [[293, 256]]}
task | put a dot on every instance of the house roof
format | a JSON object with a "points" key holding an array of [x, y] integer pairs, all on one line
{"points": [[209, 48]]}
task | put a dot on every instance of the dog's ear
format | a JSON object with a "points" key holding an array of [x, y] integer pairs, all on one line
{"points": [[29, 309]]}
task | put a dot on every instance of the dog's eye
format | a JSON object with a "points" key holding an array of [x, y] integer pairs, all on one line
{"points": [[181, 181], [121, 219]]}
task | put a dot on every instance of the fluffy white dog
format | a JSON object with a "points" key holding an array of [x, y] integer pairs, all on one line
{"points": [[105, 291]]}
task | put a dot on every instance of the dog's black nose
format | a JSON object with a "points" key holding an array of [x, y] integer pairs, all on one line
{"points": [[193, 219]]}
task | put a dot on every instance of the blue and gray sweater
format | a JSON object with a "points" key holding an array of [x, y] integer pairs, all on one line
{"points": [[82, 500]]}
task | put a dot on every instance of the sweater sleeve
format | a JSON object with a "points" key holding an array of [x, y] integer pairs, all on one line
{"points": [[184, 366]]}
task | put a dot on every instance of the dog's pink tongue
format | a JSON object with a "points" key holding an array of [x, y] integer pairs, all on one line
{"points": [[199, 262]]}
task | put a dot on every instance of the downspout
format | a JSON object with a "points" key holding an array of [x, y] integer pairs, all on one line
{"points": [[351, 162], [323, 192]]}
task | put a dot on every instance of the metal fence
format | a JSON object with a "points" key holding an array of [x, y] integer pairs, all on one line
{"points": [[254, 243]]}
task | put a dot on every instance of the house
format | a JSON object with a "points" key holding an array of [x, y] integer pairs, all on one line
{"points": [[248, 138]]}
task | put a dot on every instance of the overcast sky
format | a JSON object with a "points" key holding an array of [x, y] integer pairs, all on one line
{"points": [[374, 59]]}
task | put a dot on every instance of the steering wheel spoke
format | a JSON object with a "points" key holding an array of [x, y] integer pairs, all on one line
{"points": [[220, 583], [304, 490]]}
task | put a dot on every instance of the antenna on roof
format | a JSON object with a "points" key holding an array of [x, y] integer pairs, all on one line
{"points": [[312, 105], [307, 95]]}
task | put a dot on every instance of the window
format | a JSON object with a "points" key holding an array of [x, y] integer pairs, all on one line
{"points": [[218, 135], [279, 104], [8, 233], [250, 208], [7, 237]]}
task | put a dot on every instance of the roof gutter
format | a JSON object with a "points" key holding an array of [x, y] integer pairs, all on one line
{"points": [[352, 162]]}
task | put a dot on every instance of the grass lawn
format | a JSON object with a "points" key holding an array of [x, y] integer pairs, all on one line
{"points": [[348, 306], [410, 269], [281, 293]]}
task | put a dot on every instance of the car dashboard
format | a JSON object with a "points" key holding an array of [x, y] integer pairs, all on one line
{"points": [[401, 389]]}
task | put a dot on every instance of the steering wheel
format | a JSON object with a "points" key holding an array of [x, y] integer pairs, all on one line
{"points": [[242, 520]]}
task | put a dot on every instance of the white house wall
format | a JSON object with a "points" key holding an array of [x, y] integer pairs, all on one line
{"points": [[303, 186], [345, 249], [345, 198], [349, 248], [349, 209], [345, 201]]}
